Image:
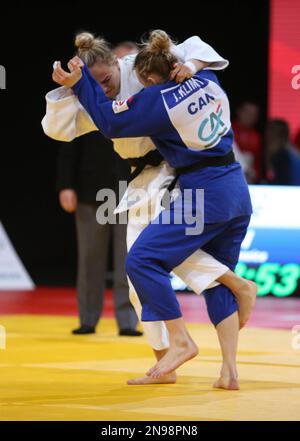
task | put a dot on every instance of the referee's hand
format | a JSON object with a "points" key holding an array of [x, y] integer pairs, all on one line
{"points": [[68, 200]]}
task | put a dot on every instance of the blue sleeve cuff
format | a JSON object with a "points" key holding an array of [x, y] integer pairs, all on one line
{"points": [[76, 86]]}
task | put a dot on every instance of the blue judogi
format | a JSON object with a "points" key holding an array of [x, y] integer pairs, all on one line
{"points": [[187, 123]]}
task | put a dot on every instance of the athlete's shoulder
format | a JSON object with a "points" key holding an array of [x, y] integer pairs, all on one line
{"points": [[207, 74], [199, 80]]}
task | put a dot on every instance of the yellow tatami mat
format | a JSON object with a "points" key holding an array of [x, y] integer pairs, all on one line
{"points": [[48, 374]]}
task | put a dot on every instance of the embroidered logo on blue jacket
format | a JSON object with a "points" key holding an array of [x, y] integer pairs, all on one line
{"points": [[215, 123], [121, 105]]}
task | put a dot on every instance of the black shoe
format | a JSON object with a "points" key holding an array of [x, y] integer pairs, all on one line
{"points": [[130, 332], [84, 329]]}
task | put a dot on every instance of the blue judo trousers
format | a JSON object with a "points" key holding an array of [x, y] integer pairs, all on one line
{"points": [[161, 247]]}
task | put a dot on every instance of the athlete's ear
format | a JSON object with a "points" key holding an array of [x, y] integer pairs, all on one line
{"points": [[151, 81]]}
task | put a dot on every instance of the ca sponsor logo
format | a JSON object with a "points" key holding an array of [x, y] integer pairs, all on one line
{"points": [[212, 128]]}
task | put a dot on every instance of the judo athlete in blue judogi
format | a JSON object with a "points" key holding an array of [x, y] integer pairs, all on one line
{"points": [[190, 125]]}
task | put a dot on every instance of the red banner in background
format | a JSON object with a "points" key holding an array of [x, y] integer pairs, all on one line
{"points": [[284, 62]]}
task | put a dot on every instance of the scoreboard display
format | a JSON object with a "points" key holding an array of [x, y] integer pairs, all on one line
{"points": [[270, 252]]}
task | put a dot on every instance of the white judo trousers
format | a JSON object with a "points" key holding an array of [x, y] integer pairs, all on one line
{"points": [[66, 119]]}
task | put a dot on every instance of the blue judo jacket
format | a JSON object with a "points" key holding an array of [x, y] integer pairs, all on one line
{"points": [[186, 122]]}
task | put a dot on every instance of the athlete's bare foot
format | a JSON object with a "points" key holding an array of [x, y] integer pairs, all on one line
{"points": [[175, 357], [245, 296], [227, 383], [166, 379]]}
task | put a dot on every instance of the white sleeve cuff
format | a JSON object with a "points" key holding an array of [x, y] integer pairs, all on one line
{"points": [[191, 66]]}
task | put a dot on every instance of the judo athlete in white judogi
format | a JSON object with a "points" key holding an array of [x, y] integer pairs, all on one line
{"points": [[191, 271]]}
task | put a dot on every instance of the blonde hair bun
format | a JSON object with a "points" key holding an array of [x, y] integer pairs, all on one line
{"points": [[93, 49], [84, 41], [159, 42]]}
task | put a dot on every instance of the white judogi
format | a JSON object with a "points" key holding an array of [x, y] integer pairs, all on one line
{"points": [[66, 119]]}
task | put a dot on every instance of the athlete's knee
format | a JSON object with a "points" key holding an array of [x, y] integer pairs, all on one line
{"points": [[131, 264], [137, 261]]}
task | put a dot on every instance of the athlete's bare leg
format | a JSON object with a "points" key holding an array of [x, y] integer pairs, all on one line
{"points": [[227, 331]]}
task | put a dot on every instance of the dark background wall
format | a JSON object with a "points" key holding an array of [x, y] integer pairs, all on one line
{"points": [[31, 38]]}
